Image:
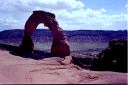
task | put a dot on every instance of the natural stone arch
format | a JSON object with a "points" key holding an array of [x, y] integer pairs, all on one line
{"points": [[60, 44]]}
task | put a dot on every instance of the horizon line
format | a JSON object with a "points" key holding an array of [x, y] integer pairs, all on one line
{"points": [[73, 30]]}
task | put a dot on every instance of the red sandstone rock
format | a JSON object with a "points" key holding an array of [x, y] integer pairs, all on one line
{"points": [[19, 70], [60, 44]]}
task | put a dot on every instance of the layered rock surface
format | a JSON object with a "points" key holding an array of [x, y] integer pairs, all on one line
{"points": [[19, 70]]}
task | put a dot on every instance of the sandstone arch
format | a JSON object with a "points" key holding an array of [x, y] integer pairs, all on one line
{"points": [[60, 45]]}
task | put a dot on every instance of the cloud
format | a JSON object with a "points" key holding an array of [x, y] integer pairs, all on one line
{"points": [[92, 19], [20, 10], [30, 5], [126, 6], [71, 14]]}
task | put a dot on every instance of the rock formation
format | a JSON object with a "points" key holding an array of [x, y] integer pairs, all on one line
{"points": [[19, 70], [113, 58], [60, 45]]}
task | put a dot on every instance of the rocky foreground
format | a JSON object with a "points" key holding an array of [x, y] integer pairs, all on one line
{"points": [[19, 70]]}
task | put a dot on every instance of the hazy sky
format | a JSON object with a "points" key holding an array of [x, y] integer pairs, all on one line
{"points": [[71, 14]]}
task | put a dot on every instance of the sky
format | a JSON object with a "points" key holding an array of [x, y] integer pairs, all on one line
{"points": [[70, 14]]}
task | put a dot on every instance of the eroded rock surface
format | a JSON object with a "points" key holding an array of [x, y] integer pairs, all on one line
{"points": [[60, 44], [19, 70]]}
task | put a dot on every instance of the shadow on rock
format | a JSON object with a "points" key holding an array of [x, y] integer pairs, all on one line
{"points": [[36, 54]]}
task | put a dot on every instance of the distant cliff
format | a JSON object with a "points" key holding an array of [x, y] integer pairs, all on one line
{"points": [[42, 35]]}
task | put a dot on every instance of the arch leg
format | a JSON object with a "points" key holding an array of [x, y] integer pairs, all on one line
{"points": [[60, 47], [27, 43]]}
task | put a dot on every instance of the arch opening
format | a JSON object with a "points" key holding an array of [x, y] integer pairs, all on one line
{"points": [[42, 39]]}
